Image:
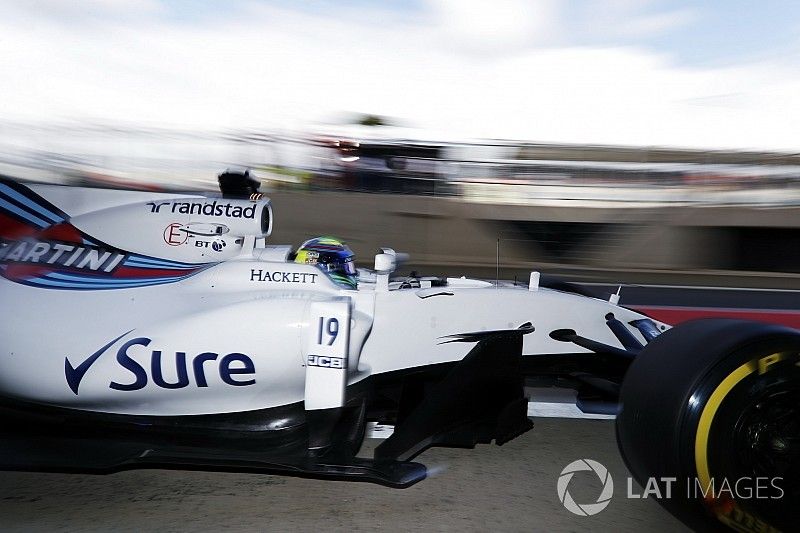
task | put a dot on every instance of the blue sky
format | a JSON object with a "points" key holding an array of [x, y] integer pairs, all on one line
{"points": [[701, 73], [730, 30], [709, 32]]}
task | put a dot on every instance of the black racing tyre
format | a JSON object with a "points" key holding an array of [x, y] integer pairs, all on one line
{"points": [[715, 404]]}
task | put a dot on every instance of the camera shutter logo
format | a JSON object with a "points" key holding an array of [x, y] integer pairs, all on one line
{"points": [[585, 509]]}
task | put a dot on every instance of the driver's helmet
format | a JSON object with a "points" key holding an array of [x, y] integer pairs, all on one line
{"points": [[331, 256]]}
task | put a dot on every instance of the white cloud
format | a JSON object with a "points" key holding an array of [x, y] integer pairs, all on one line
{"points": [[454, 71], [505, 26], [36, 14]]}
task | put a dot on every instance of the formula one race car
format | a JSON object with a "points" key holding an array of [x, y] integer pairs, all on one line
{"points": [[157, 329]]}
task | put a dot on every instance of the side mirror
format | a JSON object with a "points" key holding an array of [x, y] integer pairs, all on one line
{"points": [[384, 263]]}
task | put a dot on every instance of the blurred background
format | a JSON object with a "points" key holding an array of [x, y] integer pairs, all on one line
{"points": [[654, 143], [633, 141]]}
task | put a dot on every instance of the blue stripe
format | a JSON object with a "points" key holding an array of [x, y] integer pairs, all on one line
{"points": [[153, 267], [162, 262], [24, 214], [47, 283], [66, 284], [46, 213], [148, 259], [44, 284], [107, 281], [60, 276], [150, 266]]}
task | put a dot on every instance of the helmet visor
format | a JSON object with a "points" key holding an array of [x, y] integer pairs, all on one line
{"points": [[348, 267], [344, 273]]}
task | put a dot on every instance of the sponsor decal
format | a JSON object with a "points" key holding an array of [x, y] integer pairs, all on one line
{"points": [[81, 265], [217, 245], [40, 248], [276, 276], [235, 369], [155, 207], [174, 235], [210, 209], [57, 254], [326, 362]]}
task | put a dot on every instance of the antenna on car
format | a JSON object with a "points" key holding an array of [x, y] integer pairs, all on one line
{"points": [[497, 266], [614, 298]]}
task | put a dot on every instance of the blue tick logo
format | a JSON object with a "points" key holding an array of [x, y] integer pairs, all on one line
{"points": [[236, 369]]}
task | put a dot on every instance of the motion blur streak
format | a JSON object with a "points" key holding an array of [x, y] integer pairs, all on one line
{"points": [[676, 315], [593, 213]]}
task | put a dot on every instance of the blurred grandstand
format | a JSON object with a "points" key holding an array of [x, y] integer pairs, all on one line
{"points": [[581, 210]]}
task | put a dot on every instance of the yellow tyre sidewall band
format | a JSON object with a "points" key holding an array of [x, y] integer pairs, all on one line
{"points": [[760, 365]]}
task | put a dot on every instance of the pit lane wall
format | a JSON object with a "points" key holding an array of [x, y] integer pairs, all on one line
{"points": [[735, 245]]}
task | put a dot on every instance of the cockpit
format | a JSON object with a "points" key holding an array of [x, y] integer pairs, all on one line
{"points": [[333, 257], [329, 254]]}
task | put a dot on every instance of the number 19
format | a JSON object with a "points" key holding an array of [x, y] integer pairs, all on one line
{"points": [[329, 326]]}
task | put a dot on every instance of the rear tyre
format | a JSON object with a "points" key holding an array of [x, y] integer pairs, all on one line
{"points": [[715, 403]]}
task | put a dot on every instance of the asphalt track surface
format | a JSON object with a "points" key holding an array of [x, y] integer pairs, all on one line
{"points": [[508, 488], [501, 488]]}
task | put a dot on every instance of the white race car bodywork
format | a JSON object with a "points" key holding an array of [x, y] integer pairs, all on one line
{"points": [[259, 304], [164, 305]]}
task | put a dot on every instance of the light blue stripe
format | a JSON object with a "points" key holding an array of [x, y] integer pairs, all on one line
{"points": [[43, 284], [161, 262], [30, 203], [147, 265], [108, 281], [68, 285], [146, 259], [24, 214], [154, 267]]}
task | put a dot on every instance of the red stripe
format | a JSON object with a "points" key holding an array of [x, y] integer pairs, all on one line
{"points": [[676, 315], [135, 272], [25, 271], [61, 232], [11, 228]]}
